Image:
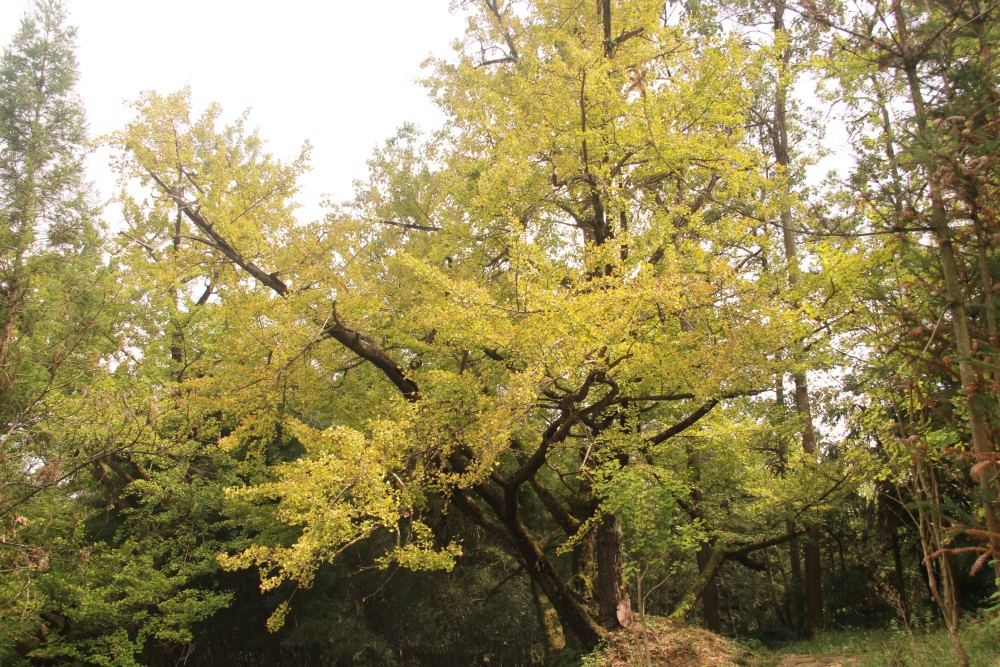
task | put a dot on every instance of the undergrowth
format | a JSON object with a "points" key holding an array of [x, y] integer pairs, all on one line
{"points": [[893, 648]]}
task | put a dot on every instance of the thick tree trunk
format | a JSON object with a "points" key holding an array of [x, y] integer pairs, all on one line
{"points": [[705, 577], [575, 619], [577, 622], [613, 600], [710, 595], [548, 621], [582, 564]]}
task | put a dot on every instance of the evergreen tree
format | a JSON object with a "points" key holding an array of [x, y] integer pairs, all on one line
{"points": [[53, 322]]}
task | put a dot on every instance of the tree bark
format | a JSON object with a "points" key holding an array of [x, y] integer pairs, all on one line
{"points": [[899, 578], [573, 616], [548, 620], [577, 622], [710, 591], [978, 415], [813, 580], [934, 543], [710, 594], [613, 600], [706, 576], [813, 570]]}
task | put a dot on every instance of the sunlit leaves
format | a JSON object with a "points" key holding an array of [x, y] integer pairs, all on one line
{"points": [[347, 486], [576, 264]]}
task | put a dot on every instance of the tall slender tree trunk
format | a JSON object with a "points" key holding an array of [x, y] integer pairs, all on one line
{"points": [[812, 568], [811, 549], [706, 576], [958, 301], [797, 599], [899, 579], [940, 580]]}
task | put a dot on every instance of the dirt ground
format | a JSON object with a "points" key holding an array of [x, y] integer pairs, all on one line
{"points": [[819, 661], [664, 643]]}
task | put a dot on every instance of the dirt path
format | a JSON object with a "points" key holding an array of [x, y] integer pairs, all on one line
{"points": [[819, 661]]}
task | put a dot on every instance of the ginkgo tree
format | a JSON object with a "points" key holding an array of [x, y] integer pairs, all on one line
{"points": [[509, 318]]}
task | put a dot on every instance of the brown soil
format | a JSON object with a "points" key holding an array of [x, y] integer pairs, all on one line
{"points": [[819, 661]]}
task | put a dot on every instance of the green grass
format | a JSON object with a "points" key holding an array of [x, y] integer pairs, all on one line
{"points": [[891, 648]]}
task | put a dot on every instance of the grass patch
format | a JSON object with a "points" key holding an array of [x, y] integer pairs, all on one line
{"points": [[892, 648]]}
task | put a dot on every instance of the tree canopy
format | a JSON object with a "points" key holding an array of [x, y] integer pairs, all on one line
{"points": [[599, 347]]}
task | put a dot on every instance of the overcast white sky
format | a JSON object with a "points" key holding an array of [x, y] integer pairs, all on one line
{"points": [[340, 74]]}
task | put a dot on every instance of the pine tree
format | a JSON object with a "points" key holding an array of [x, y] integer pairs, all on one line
{"points": [[53, 307], [48, 233]]}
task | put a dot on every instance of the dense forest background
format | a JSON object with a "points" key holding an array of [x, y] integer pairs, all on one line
{"points": [[602, 347]]}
